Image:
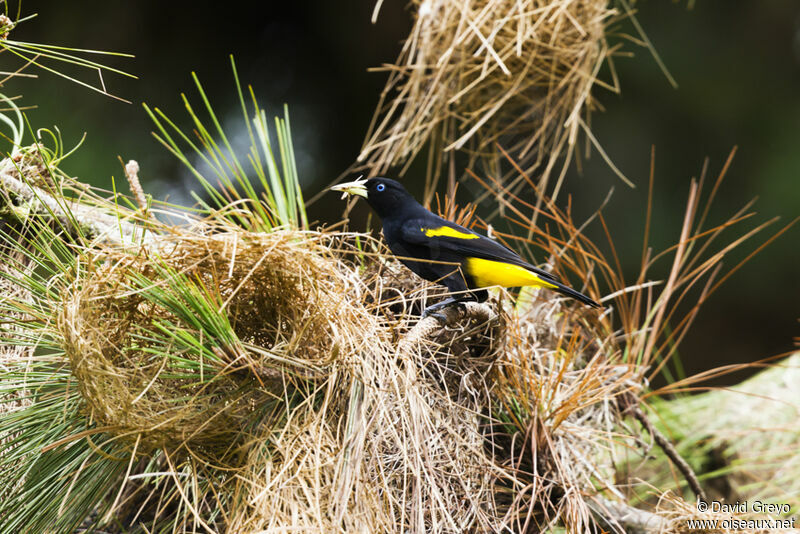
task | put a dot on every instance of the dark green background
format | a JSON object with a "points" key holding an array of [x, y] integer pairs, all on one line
{"points": [[737, 64]]}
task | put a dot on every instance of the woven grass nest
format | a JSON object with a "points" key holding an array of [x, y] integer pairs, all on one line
{"points": [[281, 302], [332, 412], [471, 74]]}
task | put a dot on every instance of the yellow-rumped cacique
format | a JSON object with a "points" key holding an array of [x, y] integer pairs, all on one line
{"points": [[446, 253]]}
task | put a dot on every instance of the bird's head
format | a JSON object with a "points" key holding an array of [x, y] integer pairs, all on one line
{"points": [[384, 195]]}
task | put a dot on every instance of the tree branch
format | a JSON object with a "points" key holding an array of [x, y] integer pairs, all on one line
{"points": [[633, 520], [427, 326], [630, 404], [104, 226]]}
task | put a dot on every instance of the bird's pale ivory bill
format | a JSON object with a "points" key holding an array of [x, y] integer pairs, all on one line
{"points": [[352, 188]]}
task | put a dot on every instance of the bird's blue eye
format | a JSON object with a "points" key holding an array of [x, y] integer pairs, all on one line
{"points": [[380, 187]]}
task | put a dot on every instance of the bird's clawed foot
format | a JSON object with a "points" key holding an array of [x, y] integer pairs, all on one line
{"points": [[433, 311]]}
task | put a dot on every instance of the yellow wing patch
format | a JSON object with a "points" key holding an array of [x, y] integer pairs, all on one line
{"points": [[446, 231], [487, 273]]}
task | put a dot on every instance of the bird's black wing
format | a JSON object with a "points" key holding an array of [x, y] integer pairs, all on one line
{"points": [[437, 233]]}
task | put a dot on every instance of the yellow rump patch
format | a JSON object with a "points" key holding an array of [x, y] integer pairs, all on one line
{"points": [[487, 273], [446, 231]]}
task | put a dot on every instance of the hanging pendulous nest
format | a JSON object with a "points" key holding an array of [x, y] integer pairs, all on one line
{"points": [[192, 348], [472, 74]]}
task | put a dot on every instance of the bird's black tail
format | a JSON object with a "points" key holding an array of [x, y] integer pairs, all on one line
{"points": [[564, 290]]}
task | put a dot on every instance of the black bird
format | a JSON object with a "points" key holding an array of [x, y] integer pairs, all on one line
{"points": [[443, 252]]}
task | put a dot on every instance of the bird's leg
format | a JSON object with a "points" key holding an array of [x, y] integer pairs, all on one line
{"points": [[433, 310]]}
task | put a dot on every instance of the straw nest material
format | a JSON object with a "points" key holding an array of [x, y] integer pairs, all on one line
{"points": [[561, 380], [415, 443], [274, 357], [273, 309], [472, 74], [405, 454]]}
